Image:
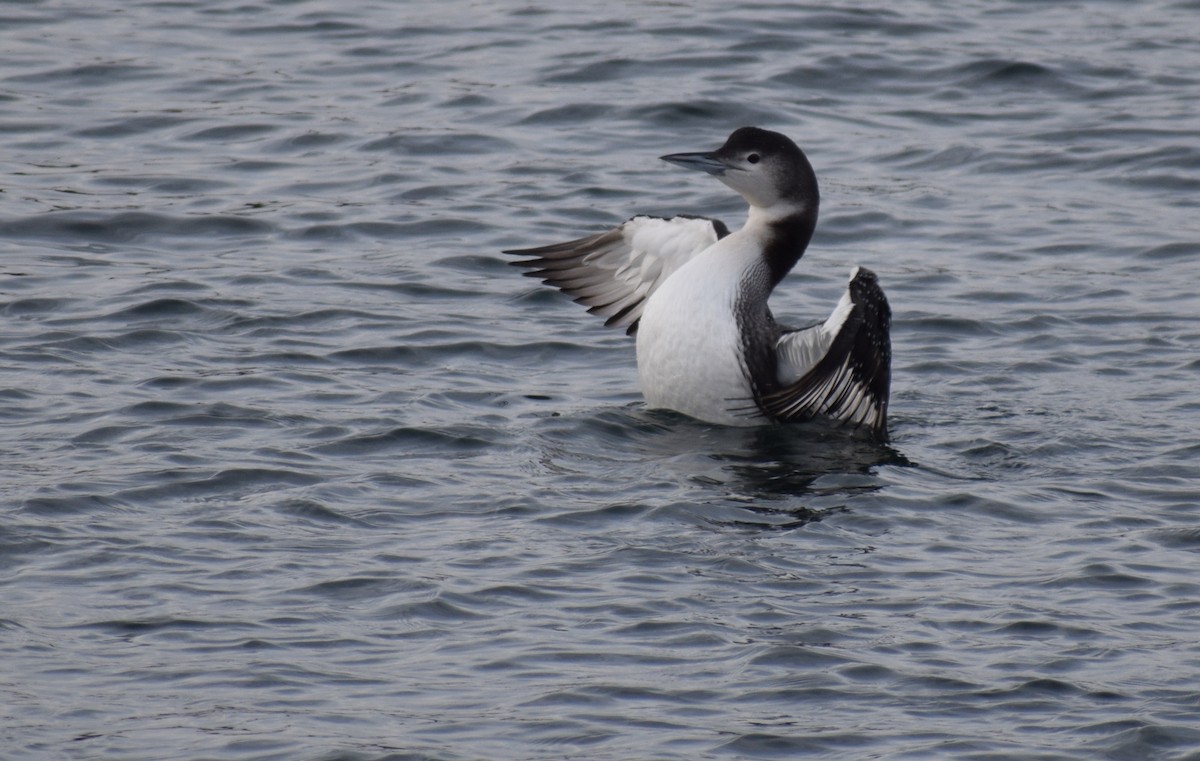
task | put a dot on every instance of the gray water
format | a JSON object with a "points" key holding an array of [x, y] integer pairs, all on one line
{"points": [[295, 466]]}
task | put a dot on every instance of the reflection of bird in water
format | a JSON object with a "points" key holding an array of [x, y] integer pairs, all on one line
{"points": [[787, 475], [778, 468]]}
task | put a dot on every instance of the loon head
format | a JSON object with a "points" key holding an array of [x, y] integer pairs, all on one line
{"points": [[764, 167]]}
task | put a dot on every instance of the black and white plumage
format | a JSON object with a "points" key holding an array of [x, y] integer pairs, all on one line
{"points": [[695, 294]]}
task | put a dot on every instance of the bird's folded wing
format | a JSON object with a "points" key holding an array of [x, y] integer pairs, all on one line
{"points": [[841, 368], [614, 272]]}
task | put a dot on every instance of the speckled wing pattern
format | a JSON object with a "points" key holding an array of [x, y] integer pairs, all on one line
{"points": [[842, 368], [614, 272]]}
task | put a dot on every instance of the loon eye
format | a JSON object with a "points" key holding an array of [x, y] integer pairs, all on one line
{"points": [[753, 158]]}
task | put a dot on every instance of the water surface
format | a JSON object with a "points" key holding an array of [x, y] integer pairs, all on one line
{"points": [[295, 466]]}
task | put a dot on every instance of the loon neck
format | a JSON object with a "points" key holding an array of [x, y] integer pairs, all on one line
{"points": [[785, 231]]}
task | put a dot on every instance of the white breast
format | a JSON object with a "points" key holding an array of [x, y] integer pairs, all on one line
{"points": [[689, 348]]}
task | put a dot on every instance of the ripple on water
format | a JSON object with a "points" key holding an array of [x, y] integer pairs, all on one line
{"points": [[128, 227], [439, 144], [91, 76], [415, 442], [135, 126]]}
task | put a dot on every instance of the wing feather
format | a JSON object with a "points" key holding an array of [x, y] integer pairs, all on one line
{"points": [[615, 271], [841, 368]]}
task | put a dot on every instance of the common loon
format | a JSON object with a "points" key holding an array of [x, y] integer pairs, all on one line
{"points": [[695, 294]]}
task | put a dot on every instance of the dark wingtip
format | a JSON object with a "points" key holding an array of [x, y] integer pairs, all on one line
{"points": [[865, 275]]}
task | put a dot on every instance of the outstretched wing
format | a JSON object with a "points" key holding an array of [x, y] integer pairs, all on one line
{"points": [[614, 272], [842, 368]]}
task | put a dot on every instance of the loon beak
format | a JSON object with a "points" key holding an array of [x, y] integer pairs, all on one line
{"points": [[705, 162]]}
